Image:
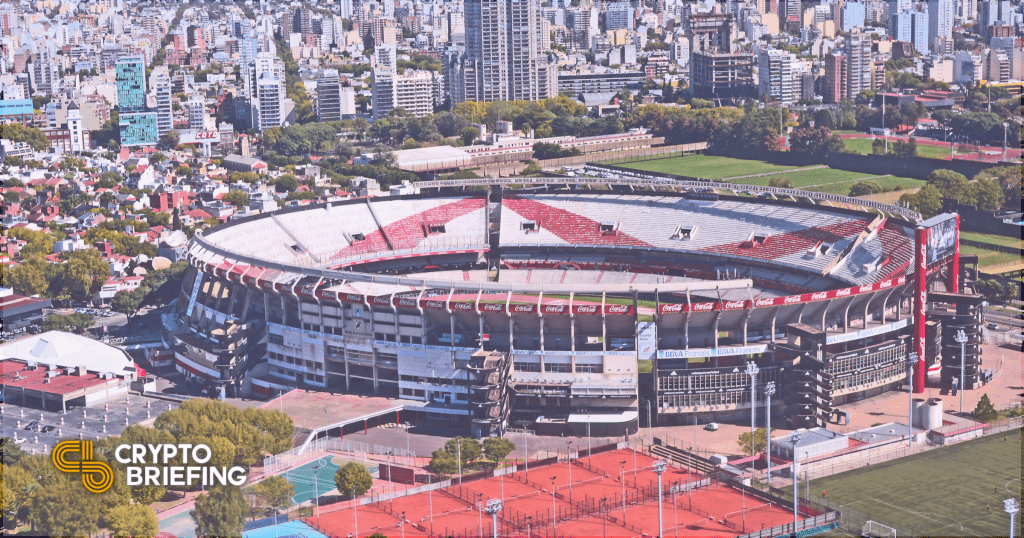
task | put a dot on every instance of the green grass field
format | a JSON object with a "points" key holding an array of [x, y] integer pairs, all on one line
{"points": [[707, 166], [863, 146], [988, 258], [942, 492], [715, 167], [993, 239]]}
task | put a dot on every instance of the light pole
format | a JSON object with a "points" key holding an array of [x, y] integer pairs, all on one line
{"points": [[568, 461], [480, 513], [554, 511], [604, 520], [911, 359], [659, 467], [1011, 507], [886, 152], [402, 524], [458, 447], [795, 438], [622, 480], [752, 371], [355, 512], [526, 454], [961, 338], [590, 446], [1005, 125], [675, 517], [769, 389], [493, 507], [316, 492]]}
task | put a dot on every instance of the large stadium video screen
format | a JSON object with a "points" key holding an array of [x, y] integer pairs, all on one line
{"points": [[942, 240]]}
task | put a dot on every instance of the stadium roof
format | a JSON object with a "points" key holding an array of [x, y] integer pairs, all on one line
{"points": [[68, 350]]}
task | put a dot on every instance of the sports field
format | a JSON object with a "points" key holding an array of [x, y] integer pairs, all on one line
{"points": [[707, 166], [863, 146], [951, 491], [614, 493], [818, 179], [303, 478]]}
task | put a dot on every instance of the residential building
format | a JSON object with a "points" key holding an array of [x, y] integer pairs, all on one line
{"points": [[778, 75], [998, 66], [138, 128], [611, 81], [164, 106], [269, 104], [832, 91], [619, 15], [857, 64], [940, 24], [328, 96], [412, 91], [503, 60], [131, 84], [852, 15]]}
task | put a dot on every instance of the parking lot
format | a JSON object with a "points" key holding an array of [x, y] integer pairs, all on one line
{"points": [[89, 422]]}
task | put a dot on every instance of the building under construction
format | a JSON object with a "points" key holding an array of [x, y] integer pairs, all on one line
{"points": [[722, 75]]}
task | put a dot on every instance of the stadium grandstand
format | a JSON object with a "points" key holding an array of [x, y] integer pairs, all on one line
{"points": [[558, 304]]}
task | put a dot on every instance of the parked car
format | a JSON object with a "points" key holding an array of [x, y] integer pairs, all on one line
{"points": [[20, 441], [31, 425], [711, 426]]}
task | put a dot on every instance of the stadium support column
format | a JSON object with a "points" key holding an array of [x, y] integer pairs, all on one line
{"points": [[953, 282], [920, 307]]}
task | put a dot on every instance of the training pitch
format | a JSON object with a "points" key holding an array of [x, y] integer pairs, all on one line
{"points": [[717, 168], [951, 491]]}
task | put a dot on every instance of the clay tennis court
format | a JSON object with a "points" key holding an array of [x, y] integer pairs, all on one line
{"points": [[595, 508]]}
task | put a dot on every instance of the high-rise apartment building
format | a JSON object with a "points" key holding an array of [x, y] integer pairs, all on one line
{"points": [[619, 15], [328, 95], [994, 13], [136, 126], [164, 106], [412, 91], [778, 76], [131, 84], [911, 26], [940, 24], [503, 60], [857, 64], [832, 88], [268, 104]]}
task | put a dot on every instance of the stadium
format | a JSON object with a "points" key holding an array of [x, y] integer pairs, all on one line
{"points": [[581, 305]]}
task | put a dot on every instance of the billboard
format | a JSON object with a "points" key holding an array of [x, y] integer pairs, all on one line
{"points": [[941, 238], [647, 338]]}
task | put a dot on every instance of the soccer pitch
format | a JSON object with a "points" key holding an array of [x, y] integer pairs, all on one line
{"points": [[715, 167], [951, 491]]}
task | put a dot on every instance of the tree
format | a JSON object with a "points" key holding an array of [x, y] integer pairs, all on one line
{"points": [[220, 512], [817, 142], [927, 201], [469, 134], [29, 277], [905, 150], [128, 302], [131, 521], [987, 194], [824, 118], [67, 322], [286, 183], [169, 140], [951, 185], [10, 453], [985, 411], [63, 507], [237, 198], [780, 182], [443, 463], [497, 449], [760, 441], [30, 135], [865, 188], [468, 449], [353, 480], [272, 493], [878, 146], [84, 273]]}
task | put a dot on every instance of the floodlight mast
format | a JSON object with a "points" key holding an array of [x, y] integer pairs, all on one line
{"points": [[769, 390], [1011, 507]]}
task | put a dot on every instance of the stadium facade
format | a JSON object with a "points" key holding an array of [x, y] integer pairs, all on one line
{"points": [[571, 310]]}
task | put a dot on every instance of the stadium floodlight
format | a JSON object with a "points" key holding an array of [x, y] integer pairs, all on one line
{"points": [[752, 371], [554, 511], [1011, 507], [769, 389], [961, 338], [493, 507], [911, 360], [659, 467]]}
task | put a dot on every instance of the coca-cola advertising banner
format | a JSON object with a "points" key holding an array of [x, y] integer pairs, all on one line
{"points": [[780, 301]]}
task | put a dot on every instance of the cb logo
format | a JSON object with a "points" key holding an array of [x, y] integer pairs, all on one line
{"points": [[97, 476]]}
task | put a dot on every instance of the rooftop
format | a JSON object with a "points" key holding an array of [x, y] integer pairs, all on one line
{"points": [[66, 350], [17, 373]]}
